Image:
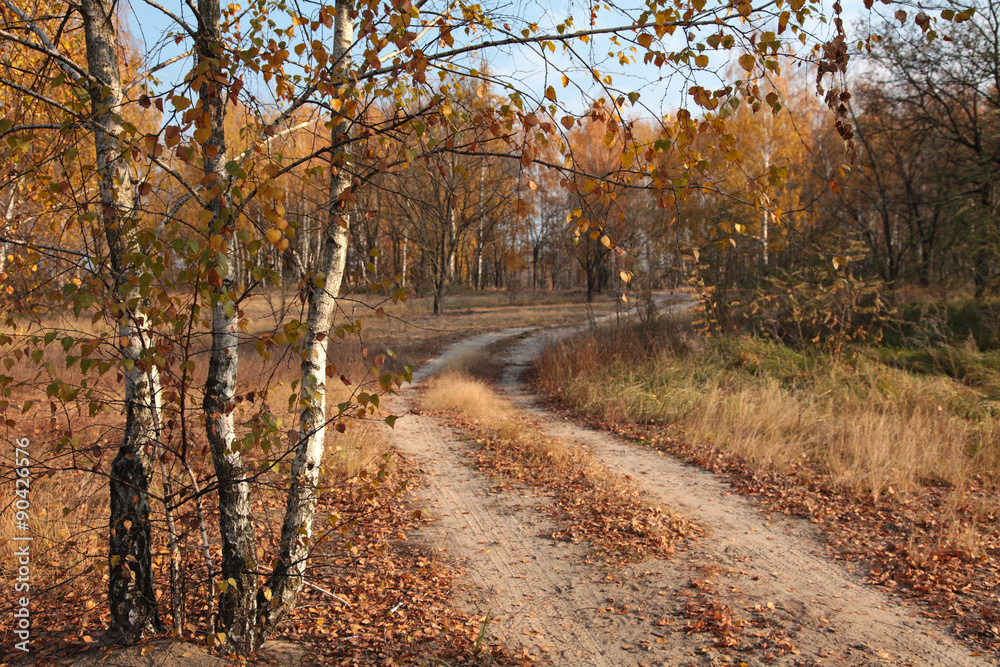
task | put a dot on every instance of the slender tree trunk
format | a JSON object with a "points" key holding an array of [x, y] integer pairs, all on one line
{"points": [[176, 596], [237, 604], [406, 241], [288, 576], [439, 294], [479, 264], [8, 227], [451, 256], [130, 575]]}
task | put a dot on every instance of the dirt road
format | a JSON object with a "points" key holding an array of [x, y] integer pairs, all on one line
{"points": [[754, 590]]}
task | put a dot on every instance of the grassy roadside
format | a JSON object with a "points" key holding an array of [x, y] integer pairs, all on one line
{"points": [[900, 468], [592, 504]]}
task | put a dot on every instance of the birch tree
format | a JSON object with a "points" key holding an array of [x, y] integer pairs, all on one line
{"points": [[279, 594], [130, 577]]}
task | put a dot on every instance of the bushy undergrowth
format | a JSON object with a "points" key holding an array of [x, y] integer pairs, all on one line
{"points": [[925, 323], [854, 418], [958, 339]]}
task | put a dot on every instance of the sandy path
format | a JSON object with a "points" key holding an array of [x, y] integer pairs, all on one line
{"points": [[548, 599]]}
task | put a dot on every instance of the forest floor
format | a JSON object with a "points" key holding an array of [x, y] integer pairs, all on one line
{"points": [[755, 588]]}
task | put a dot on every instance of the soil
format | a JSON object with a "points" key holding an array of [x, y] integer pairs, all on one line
{"points": [[755, 590]]}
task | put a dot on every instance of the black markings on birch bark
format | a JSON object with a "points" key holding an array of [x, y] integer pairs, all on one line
{"points": [[130, 579], [237, 604]]}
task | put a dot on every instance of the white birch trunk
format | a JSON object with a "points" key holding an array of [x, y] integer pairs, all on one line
{"points": [[452, 241], [8, 227], [237, 604], [288, 576], [130, 577]]}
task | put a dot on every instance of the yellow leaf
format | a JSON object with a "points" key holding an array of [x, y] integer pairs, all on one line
{"points": [[747, 61], [273, 236], [565, 80], [568, 122], [205, 216], [701, 61], [550, 93], [645, 40]]}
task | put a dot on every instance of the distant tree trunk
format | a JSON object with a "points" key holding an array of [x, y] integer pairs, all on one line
{"points": [[453, 232], [439, 280], [288, 576], [535, 252], [406, 241], [8, 219], [479, 258], [446, 264], [130, 572], [237, 604]]}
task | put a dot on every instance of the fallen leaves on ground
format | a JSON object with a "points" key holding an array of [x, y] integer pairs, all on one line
{"points": [[384, 600], [735, 630], [400, 608], [592, 504]]}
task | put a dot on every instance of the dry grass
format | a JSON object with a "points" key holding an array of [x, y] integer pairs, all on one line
{"points": [[362, 447], [873, 428], [454, 390], [593, 503]]}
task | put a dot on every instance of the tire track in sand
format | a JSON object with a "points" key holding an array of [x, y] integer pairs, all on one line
{"points": [[541, 592]]}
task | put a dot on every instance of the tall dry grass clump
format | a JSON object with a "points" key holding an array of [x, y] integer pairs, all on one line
{"points": [[874, 428]]}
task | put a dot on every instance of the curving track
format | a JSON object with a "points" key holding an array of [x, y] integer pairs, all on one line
{"points": [[548, 600]]}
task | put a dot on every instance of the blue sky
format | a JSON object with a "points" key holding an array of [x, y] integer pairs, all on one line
{"points": [[661, 89]]}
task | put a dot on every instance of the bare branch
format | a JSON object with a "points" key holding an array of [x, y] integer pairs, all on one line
{"points": [[171, 15], [71, 69], [166, 63], [31, 245]]}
